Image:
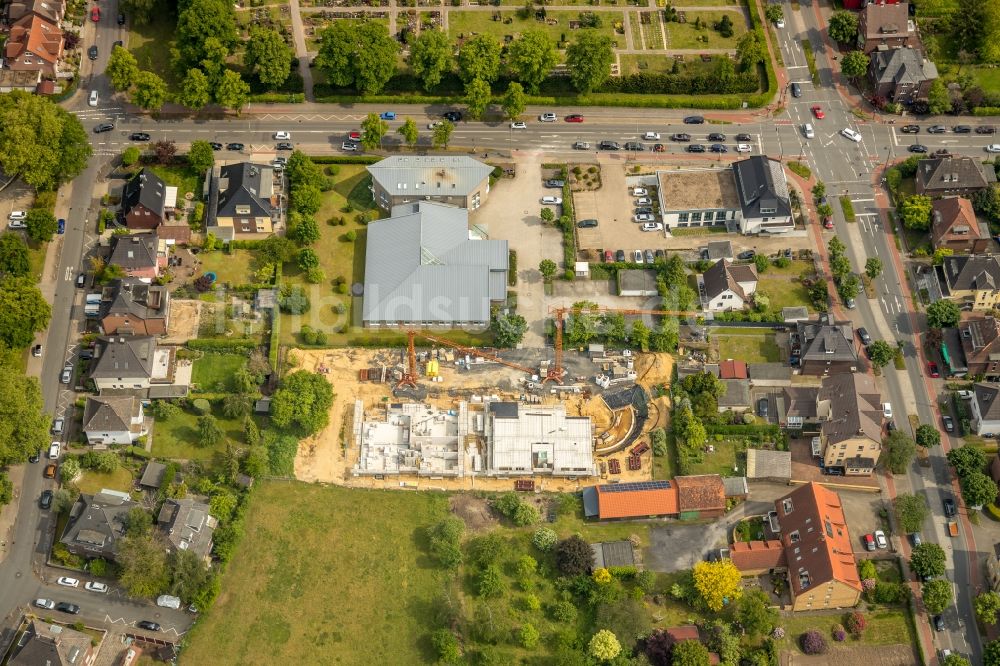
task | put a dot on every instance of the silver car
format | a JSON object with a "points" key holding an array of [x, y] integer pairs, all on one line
{"points": [[644, 217]]}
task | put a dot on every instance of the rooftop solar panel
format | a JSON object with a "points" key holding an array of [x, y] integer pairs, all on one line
{"points": [[635, 485]]}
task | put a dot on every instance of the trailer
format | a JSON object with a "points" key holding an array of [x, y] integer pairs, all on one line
{"points": [[953, 528]]}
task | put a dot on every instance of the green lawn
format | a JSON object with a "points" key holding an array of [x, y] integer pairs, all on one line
{"points": [[987, 78], [469, 23], [721, 461], [213, 373], [177, 437], [783, 291], [752, 347], [92, 482], [233, 268], [151, 43], [181, 177], [652, 64], [686, 36], [885, 627]]}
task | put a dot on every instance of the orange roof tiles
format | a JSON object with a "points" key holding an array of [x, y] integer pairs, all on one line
{"points": [[637, 503], [33, 33], [702, 492], [758, 555], [731, 369]]}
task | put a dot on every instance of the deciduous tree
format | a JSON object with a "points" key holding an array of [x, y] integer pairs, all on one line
{"points": [[938, 99], [937, 595], [899, 451], [196, 91], [927, 560], [978, 489], [873, 267], [40, 224], [121, 69], [531, 57], [943, 314], [408, 130], [514, 100], [142, 561], [912, 510], [431, 57], [508, 330], [302, 403], [881, 353], [755, 613], [987, 607], [41, 143], [442, 134], [690, 653], [915, 212], [198, 22], [589, 58], [373, 129], [14, 260], [574, 556], [604, 646], [149, 91], [188, 574], [479, 58], [23, 311], [359, 55], [477, 98], [843, 27], [854, 64], [967, 459], [717, 581], [138, 10], [927, 436], [200, 157], [268, 56], [750, 50], [232, 91]]}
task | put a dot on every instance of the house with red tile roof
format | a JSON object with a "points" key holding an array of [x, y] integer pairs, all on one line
{"points": [[701, 496], [817, 552], [34, 44], [954, 227], [732, 369], [643, 499]]}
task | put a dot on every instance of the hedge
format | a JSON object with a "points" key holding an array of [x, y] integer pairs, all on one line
{"points": [[986, 111], [569, 230], [140, 452], [645, 83], [278, 98], [347, 159], [756, 433], [223, 345], [273, 344]]}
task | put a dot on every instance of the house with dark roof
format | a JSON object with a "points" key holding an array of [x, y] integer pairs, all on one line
{"points": [[985, 409], [613, 554], [136, 365], [849, 409], [823, 347], [244, 201], [769, 374], [954, 227], [727, 286], [146, 201], [980, 346], [34, 44], [187, 525], [952, 175], [882, 27], [972, 280], [901, 75], [423, 269], [50, 10], [815, 548], [456, 180], [49, 644], [152, 476], [700, 496], [139, 255], [716, 250], [637, 282], [133, 307], [97, 524], [763, 191], [737, 396], [114, 420]]}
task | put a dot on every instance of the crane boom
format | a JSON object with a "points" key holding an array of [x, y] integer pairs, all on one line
{"points": [[410, 376]]}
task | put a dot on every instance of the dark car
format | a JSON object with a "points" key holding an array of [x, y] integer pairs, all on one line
{"points": [[103, 127], [147, 625], [92, 52], [586, 224], [680, 136], [744, 137], [917, 148], [553, 183], [620, 255], [658, 148], [890, 426], [660, 254], [635, 146], [696, 148], [718, 148], [937, 129], [961, 129], [215, 145], [942, 151], [285, 146], [716, 136], [453, 116], [121, 18], [61, 226], [694, 120], [986, 129], [609, 145], [949, 424], [949, 507], [67, 607], [118, 42], [644, 210], [45, 501], [34, 458], [865, 338], [910, 129], [234, 146], [796, 90], [938, 623], [762, 407], [138, 136], [747, 255]]}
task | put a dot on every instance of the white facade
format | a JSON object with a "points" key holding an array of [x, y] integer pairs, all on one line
{"points": [[528, 439], [766, 225]]}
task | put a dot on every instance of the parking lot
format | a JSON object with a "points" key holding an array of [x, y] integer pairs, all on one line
{"points": [[862, 512]]}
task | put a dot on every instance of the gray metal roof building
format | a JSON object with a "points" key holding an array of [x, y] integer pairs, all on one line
{"points": [[453, 179], [423, 268]]}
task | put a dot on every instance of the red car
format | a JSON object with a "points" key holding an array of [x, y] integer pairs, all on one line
{"points": [[818, 112], [95, 14], [932, 369], [828, 223], [575, 118], [869, 542], [658, 148], [354, 136], [608, 257]]}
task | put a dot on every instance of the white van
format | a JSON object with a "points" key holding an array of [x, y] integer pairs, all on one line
{"points": [[54, 451], [167, 601], [807, 129]]}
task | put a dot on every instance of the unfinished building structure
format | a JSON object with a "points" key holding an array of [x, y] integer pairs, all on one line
{"points": [[412, 438], [533, 439]]}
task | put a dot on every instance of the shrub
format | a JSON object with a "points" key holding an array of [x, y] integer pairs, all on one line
{"points": [[350, 236], [812, 642], [563, 611], [778, 633], [544, 539], [856, 623], [838, 633]]}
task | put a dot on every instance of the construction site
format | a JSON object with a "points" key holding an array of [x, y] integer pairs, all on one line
{"points": [[447, 417]]}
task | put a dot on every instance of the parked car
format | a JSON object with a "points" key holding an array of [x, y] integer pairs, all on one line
{"points": [[54, 448], [938, 623], [47, 604], [869, 542], [828, 222], [966, 395], [609, 145], [581, 145], [649, 256], [716, 136], [586, 224], [949, 507], [915, 539], [651, 136], [93, 586], [880, 539], [387, 115], [937, 129], [103, 127], [917, 148], [519, 124], [993, 148], [851, 134], [866, 339], [695, 148], [887, 410], [349, 146], [215, 145], [553, 183], [355, 136], [718, 148], [57, 426], [168, 601], [762, 408], [45, 501], [92, 52], [818, 112], [634, 146], [910, 129], [680, 136], [147, 625], [284, 145], [36, 351], [932, 369], [808, 132], [67, 374], [95, 13], [574, 118], [66, 581], [92, 100], [121, 18], [644, 217], [81, 281], [138, 136], [282, 136], [608, 256], [452, 116], [694, 120], [962, 129], [620, 255], [747, 255], [639, 191], [949, 424], [547, 117], [61, 226], [658, 148], [744, 137], [639, 210], [652, 226], [551, 201], [744, 148], [50, 469], [234, 146], [796, 90], [986, 129]]}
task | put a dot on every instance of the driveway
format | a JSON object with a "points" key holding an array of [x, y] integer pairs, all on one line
{"points": [[511, 213], [861, 510]]}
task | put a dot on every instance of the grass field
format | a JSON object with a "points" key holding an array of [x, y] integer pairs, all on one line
{"points": [[309, 580], [468, 23], [752, 347], [92, 482], [234, 268], [177, 437], [987, 78], [886, 627], [783, 291], [720, 461], [686, 36], [213, 373], [633, 64], [184, 179], [151, 43]]}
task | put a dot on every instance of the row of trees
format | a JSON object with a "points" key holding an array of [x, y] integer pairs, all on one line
{"points": [[978, 489]]}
